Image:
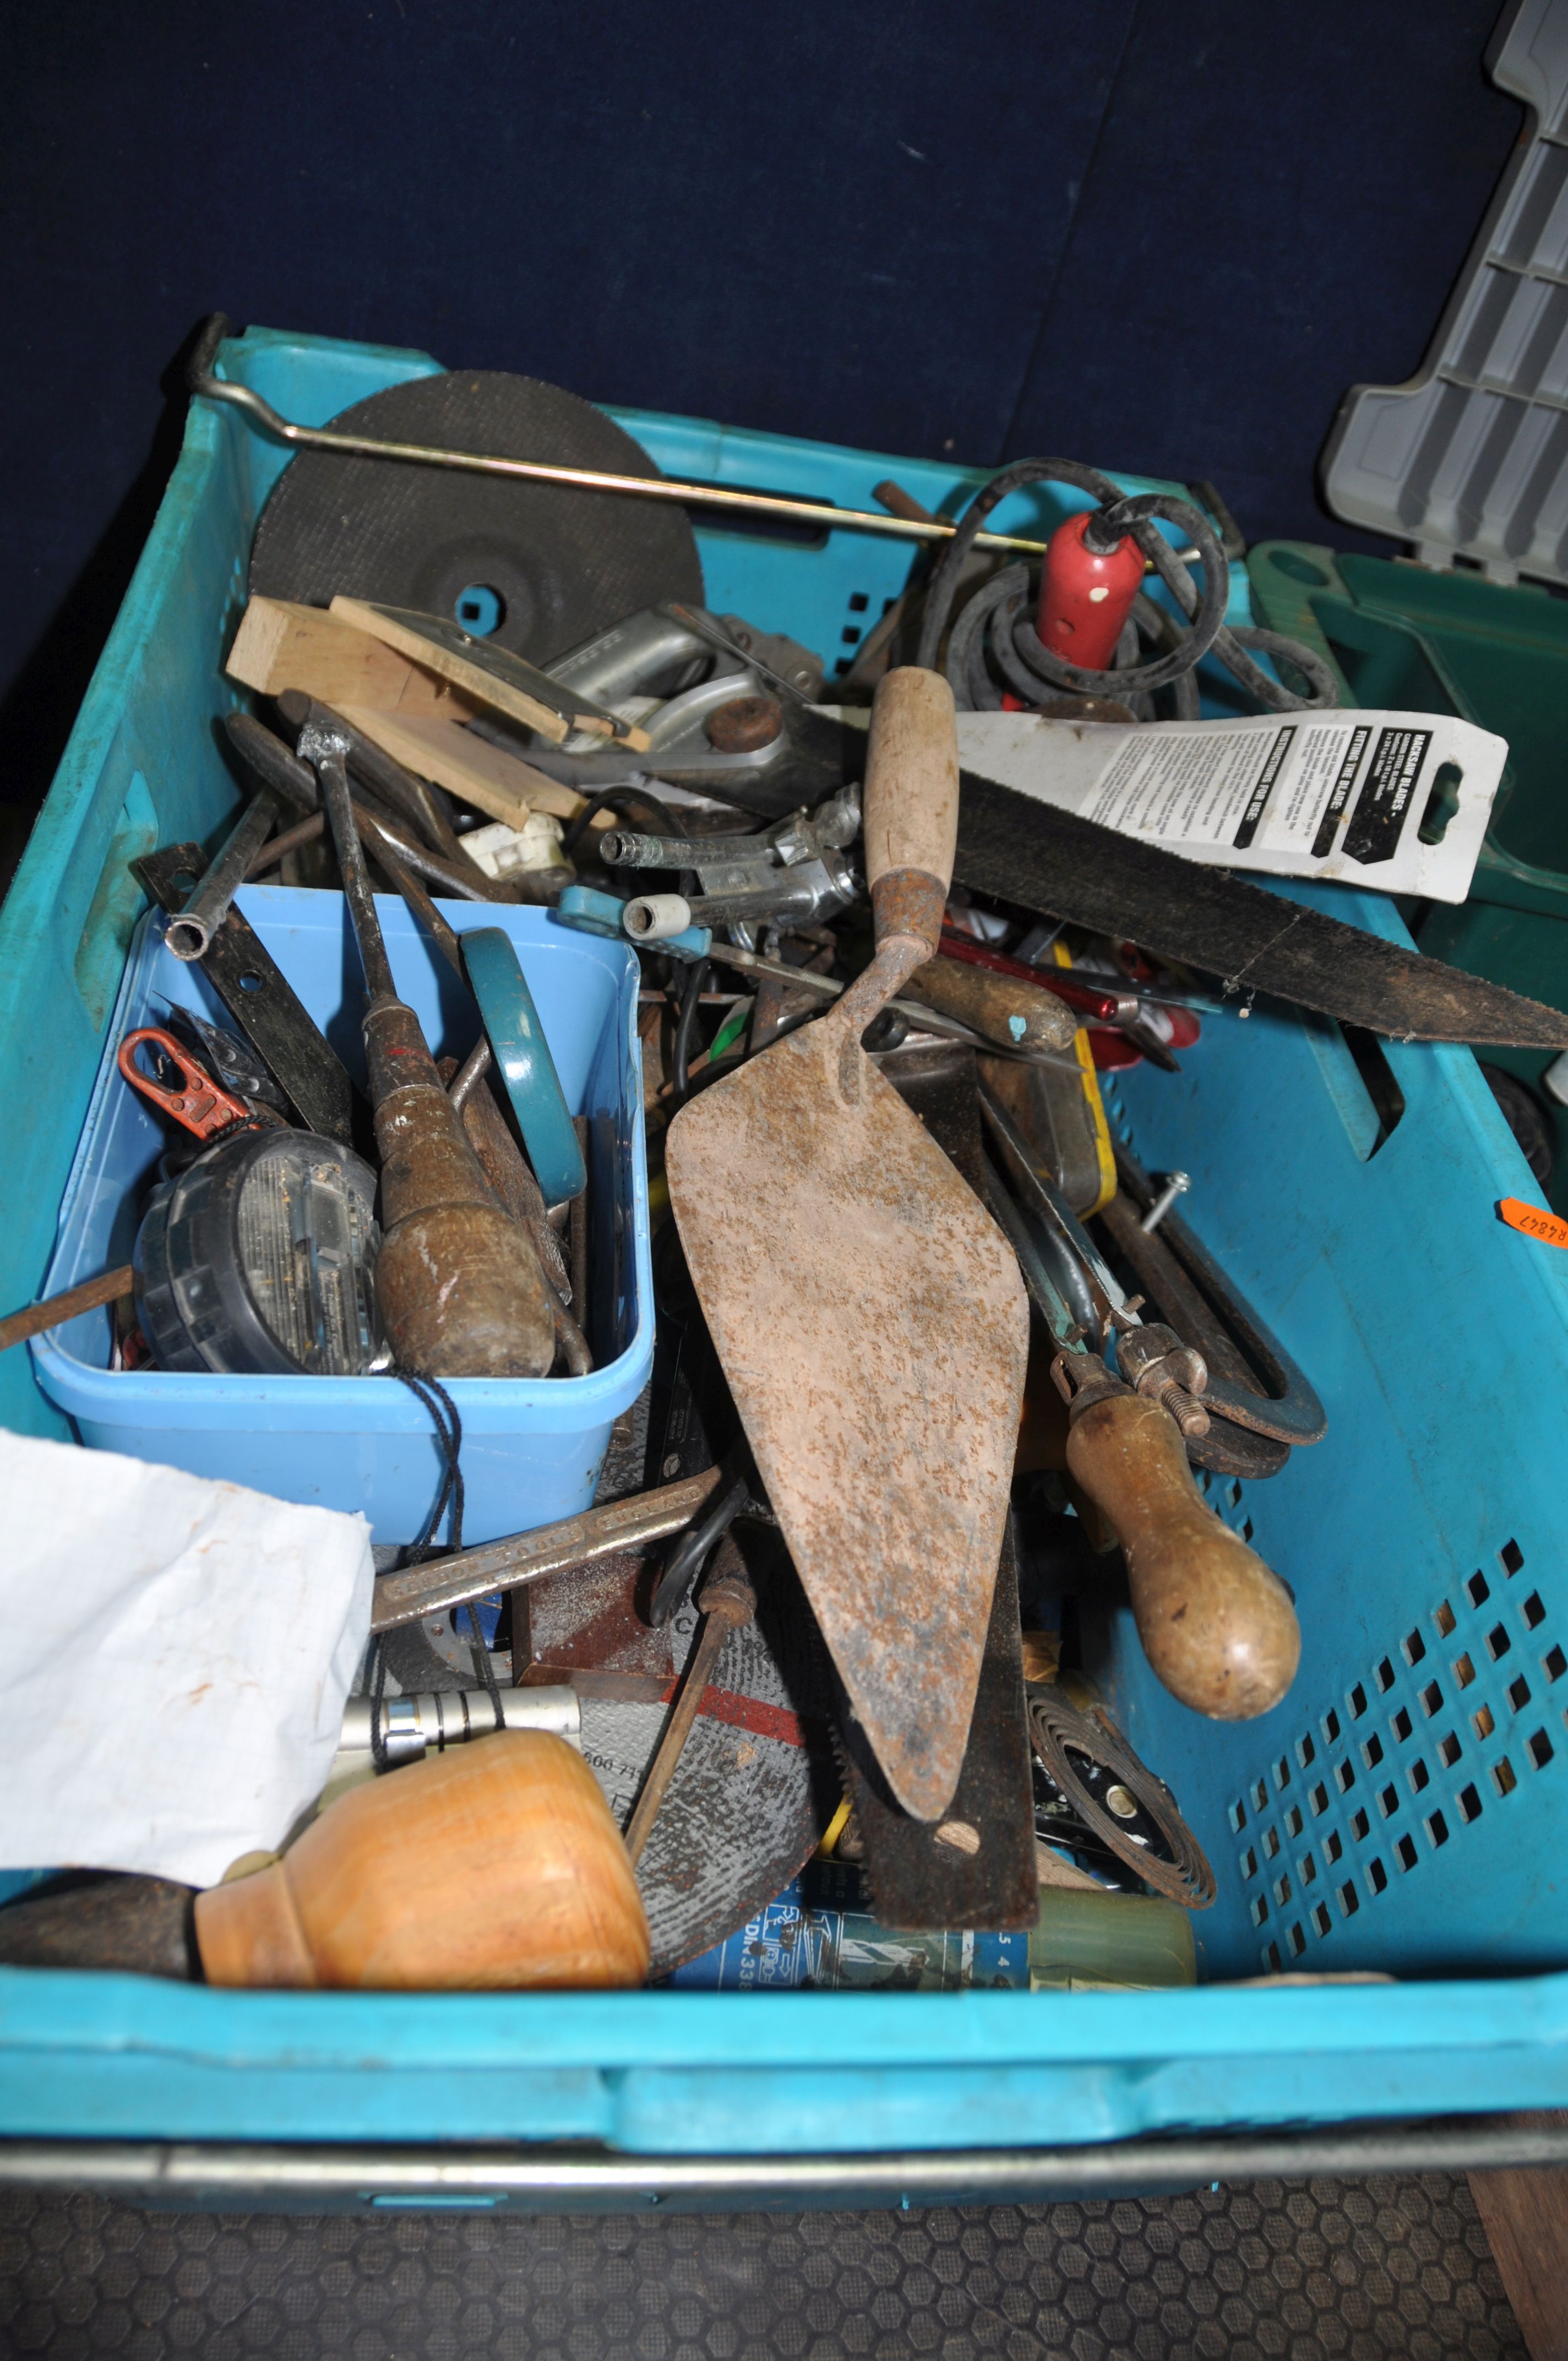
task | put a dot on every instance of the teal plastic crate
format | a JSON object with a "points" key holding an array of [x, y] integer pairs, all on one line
{"points": [[1423, 1539]]}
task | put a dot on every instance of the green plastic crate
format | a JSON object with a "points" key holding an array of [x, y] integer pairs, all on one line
{"points": [[1425, 640]]}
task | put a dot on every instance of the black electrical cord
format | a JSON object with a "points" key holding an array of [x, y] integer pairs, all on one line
{"points": [[696, 1545], [1027, 665], [615, 797], [686, 1025]]}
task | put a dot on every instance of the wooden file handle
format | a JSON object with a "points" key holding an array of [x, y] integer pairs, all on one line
{"points": [[1217, 1626]]}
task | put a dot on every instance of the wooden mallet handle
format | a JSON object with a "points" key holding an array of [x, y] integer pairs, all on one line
{"points": [[1217, 1626]]}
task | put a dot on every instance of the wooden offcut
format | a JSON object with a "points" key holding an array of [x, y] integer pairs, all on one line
{"points": [[1525, 2213], [485, 683], [281, 644], [484, 776]]}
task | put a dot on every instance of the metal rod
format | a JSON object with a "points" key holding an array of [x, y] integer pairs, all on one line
{"points": [[473, 1069], [304, 832], [403, 790], [676, 1732], [238, 2175], [188, 935], [588, 479], [55, 1308], [467, 885], [334, 778], [628, 847], [726, 1601], [407, 862], [529, 1557], [443, 1717]]}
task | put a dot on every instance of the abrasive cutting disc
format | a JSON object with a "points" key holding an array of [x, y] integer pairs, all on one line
{"points": [[538, 567], [755, 1785]]}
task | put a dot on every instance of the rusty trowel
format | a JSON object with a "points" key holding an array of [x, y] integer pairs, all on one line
{"points": [[868, 1314]]}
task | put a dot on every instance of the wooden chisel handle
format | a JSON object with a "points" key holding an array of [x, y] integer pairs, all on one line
{"points": [[1217, 1626], [1022, 1015]]}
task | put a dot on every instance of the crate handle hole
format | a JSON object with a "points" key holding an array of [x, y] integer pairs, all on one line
{"points": [[1442, 803]]}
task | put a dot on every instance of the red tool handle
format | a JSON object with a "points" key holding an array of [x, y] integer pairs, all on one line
{"points": [[1086, 594], [1108, 1007], [203, 1106]]}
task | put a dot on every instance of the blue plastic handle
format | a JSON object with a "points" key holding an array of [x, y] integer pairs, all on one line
{"points": [[602, 914], [591, 913], [524, 1060]]}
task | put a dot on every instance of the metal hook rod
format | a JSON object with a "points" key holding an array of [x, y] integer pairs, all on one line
{"points": [[203, 383]]}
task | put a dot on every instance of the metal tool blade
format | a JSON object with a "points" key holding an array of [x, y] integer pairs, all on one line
{"points": [[976, 1868], [873, 1327], [1065, 867], [1062, 866], [263, 1002]]}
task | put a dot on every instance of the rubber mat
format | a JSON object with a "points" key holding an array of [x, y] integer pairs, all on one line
{"points": [[1307, 2271]]}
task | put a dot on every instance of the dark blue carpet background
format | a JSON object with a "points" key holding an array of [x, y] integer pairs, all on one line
{"points": [[1152, 236]]}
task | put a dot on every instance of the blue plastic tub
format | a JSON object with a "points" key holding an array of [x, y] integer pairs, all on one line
{"points": [[1405, 1809], [532, 1449]]}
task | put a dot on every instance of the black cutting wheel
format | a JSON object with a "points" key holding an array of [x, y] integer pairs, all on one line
{"points": [[538, 567]]}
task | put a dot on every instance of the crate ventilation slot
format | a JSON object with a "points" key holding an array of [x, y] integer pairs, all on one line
{"points": [[1409, 1757], [855, 628]]}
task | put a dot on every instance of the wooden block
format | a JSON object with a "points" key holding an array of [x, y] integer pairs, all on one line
{"points": [[485, 777], [280, 644], [506, 683], [1525, 2214]]}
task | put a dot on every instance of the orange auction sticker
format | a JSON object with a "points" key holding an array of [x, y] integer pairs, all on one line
{"points": [[1550, 1228]]}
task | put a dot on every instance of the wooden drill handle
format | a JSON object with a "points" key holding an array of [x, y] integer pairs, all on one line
{"points": [[910, 803], [1217, 1626]]}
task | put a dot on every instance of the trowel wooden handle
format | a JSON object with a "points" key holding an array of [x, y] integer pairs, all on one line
{"points": [[1217, 1626], [910, 803]]}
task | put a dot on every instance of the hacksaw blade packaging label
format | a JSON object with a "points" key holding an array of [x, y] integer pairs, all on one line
{"points": [[1355, 798]]}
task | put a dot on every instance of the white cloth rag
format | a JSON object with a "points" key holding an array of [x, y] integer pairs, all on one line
{"points": [[175, 1657]]}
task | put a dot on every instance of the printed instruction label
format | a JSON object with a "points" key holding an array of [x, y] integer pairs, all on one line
{"points": [[1355, 796]]}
